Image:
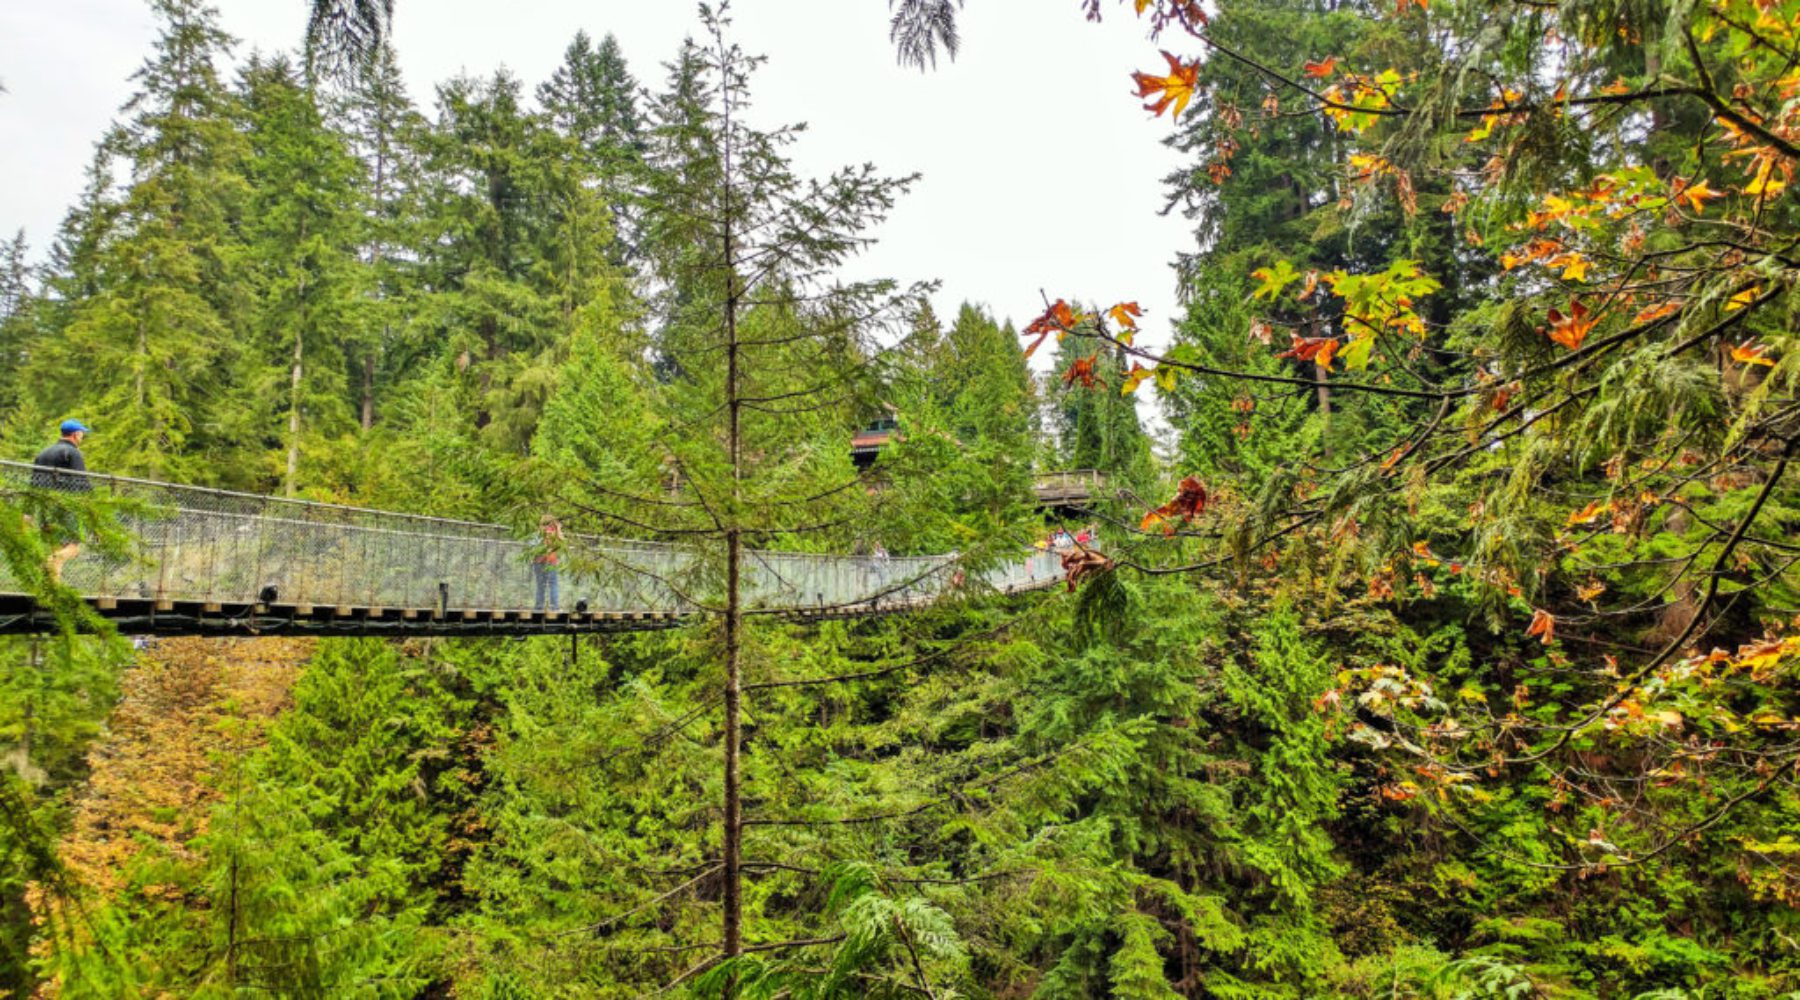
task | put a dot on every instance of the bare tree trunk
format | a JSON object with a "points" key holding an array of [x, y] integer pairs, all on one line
{"points": [[377, 262], [732, 937], [293, 449], [368, 387], [291, 482]]}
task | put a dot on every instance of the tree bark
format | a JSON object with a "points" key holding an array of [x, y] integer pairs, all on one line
{"points": [[732, 917], [368, 387], [291, 482]]}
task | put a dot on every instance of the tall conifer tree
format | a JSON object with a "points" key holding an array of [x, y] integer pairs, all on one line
{"points": [[169, 306], [302, 229], [383, 129]]}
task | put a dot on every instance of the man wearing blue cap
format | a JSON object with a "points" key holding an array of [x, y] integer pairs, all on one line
{"points": [[61, 467]]}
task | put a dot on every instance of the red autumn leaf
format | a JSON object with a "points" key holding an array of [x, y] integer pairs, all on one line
{"points": [[1570, 330], [1177, 88], [1543, 625], [1082, 370], [1188, 503], [1083, 562], [1316, 349], [1058, 319], [1322, 69]]}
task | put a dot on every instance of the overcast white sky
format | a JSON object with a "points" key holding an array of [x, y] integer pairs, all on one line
{"points": [[1040, 171]]}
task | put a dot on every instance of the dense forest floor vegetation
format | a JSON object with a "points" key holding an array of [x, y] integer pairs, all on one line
{"points": [[1447, 650]]}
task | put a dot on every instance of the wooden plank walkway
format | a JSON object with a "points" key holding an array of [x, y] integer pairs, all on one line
{"points": [[216, 562]]}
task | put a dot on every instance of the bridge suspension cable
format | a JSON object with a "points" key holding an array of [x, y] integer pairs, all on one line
{"points": [[204, 560]]}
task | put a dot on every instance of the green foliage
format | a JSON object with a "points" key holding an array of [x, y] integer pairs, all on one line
{"points": [[1171, 784]]}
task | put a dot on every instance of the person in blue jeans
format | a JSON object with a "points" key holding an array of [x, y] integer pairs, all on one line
{"points": [[544, 577]]}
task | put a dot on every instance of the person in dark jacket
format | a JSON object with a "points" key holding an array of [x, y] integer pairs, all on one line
{"points": [[61, 467]]}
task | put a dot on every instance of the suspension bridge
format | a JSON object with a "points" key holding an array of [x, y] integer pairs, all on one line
{"points": [[199, 561]]}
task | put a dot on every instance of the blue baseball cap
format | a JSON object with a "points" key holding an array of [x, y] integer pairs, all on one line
{"points": [[71, 426]]}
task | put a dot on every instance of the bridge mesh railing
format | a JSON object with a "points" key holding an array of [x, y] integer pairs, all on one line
{"points": [[189, 543]]}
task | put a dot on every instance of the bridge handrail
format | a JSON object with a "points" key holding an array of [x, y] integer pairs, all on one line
{"points": [[217, 546]]}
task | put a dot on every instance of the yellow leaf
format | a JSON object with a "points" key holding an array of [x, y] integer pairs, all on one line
{"points": [[1743, 298], [1765, 185], [1126, 315]]}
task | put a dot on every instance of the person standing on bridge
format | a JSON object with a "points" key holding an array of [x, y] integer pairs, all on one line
{"points": [[61, 467], [544, 576]]}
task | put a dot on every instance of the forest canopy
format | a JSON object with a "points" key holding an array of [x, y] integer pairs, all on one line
{"points": [[1445, 648]]}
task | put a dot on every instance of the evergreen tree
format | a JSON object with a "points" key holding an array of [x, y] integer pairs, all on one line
{"points": [[497, 302], [18, 299], [1097, 426], [301, 228], [593, 100], [71, 276], [168, 305], [1261, 184], [384, 131], [763, 366], [959, 471]]}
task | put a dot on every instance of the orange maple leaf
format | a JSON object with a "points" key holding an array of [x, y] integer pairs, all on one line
{"points": [[1059, 319], [1323, 68], [1653, 313], [1082, 370], [1188, 503], [1572, 329], [1696, 194], [1177, 88], [1751, 354], [1543, 625], [1590, 513], [1316, 349]]}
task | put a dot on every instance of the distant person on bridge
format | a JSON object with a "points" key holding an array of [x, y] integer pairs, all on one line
{"points": [[61, 467], [543, 567]]}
